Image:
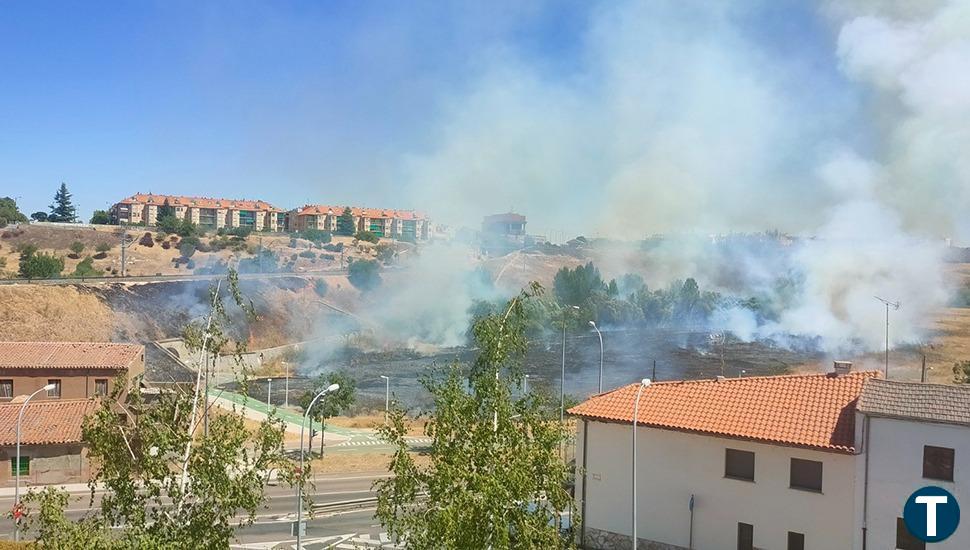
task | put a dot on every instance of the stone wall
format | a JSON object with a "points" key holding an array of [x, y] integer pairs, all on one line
{"points": [[597, 539]]}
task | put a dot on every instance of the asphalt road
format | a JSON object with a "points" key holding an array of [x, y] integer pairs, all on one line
{"points": [[167, 278], [273, 523]]}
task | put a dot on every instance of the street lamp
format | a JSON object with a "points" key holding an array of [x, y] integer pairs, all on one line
{"points": [[269, 392], [636, 412], [299, 489], [20, 418], [286, 388], [387, 395], [600, 334], [895, 306]]}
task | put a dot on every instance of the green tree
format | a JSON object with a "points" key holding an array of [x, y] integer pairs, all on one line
{"points": [[575, 286], [167, 482], [187, 249], [367, 236], [39, 265], [102, 248], [316, 236], [495, 478], [85, 268], [76, 248], [9, 213], [39, 216], [62, 210], [345, 223], [331, 404], [363, 274], [100, 217]]}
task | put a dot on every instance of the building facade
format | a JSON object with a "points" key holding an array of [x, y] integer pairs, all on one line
{"points": [[209, 213], [760, 462], [406, 225], [82, 374], [913, 435], [508, 224]]}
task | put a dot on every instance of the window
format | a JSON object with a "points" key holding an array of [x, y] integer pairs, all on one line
{"points": [[937, 463], [24, 465], [745, 536], [806, 474], [6, 389], [905, 540], [739, 464], [796, 541], [100, 386], [56, 392]]}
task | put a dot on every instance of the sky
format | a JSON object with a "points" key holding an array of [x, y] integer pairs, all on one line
{"points": [[459, 109]]}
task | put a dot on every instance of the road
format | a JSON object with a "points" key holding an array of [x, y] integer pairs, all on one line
{"points": [[167, 278], [349, 527]]}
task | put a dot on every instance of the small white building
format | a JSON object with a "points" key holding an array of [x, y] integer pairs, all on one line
{"points": [[760, 462], [913, 435]]}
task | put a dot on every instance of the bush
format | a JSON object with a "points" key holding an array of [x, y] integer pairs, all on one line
{"points": [[366, 236], [338, 247], [186, 249], [102, 248], [86, 269], [316, 236], [307, 254], [385, 253], [147, 240], [363, 274], [320, 287], [166, 245], [293, 243], [76, 248], [35, 265], [190, 264]]}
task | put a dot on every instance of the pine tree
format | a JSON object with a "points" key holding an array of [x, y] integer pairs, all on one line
{"points": [[345, 223], [63, 209]]}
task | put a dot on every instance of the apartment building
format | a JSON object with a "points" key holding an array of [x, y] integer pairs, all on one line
{"points": [[508, 224], [406, 225], [205, 212], [81, 373], [759, 462], [913, 435]]}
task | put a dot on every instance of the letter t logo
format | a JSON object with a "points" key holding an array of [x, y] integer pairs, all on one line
{"points": [[931, 502]]}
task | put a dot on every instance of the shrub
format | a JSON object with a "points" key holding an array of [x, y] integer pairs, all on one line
{"points": [[186, 249], [320, 287], [338, 247], [307, 254], [364, 275], [35, 265], [147, 240], [190, 264], [316, 236], [166, 245], [76, 248], [86, 269], [366, 236], [293, 242], [102, 248]]}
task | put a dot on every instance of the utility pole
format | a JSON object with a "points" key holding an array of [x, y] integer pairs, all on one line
{"points": [[124, 250], [895, 306]]}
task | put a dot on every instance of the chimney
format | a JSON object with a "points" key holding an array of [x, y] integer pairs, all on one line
{"points": [[843, 367]]}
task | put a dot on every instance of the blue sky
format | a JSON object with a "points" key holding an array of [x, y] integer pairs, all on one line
{"points": [[307, 101]]}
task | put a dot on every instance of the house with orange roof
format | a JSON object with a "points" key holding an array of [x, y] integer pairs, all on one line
{"points": [[758, 462], [406, 225], [206, 212], [79, 374]]}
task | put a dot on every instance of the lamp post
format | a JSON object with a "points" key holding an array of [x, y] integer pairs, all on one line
{"points": [[895, 306], [600, 334], [299, 488], [387, 395], [269, 391], [20, 418], [636, 412], [286, 388]]}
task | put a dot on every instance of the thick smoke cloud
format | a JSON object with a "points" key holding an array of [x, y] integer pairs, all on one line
{"points": [[677, 120]]}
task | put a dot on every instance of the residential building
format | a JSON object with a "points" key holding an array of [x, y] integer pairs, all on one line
{"points": [[82, 373], [914, 435], [758, 462], [143, 209], [80, 370], [51, 450], [406, 225], [508, 224]]}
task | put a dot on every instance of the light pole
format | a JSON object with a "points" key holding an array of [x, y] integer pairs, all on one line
{"points": [[600, 334], [269, 391], [895, 306], [286, 388], [299, 488], [387, 395], [636, 412], [16, 490]]}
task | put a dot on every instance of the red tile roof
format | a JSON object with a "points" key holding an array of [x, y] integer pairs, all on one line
{"points": [[49, 422], [323, 209], [815, 411], [67, 355], [200, 202]]}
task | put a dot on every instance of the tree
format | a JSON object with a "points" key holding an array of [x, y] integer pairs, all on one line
{"points": [[62, 210], [363, 274], [100, 217], [102, 249], [961, 372], [39, 216], [345, 223], [9, 213], [495, 478], [574, 286], [35, 265], [316, 236], [331, 404], [186, 249], [367, 236], [167, 482], [76, 248]]}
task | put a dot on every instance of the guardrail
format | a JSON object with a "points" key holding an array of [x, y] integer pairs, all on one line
{"points": [[164, 278]]}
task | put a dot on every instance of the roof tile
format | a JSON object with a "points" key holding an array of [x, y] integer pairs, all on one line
{"points": [[915, 401], [64, 355], [49, 422]]}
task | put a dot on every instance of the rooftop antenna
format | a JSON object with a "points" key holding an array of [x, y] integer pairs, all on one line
{"points": [[895, 306]]}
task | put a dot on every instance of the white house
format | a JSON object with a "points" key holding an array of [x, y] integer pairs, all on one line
{"points": [[913, 435], [768, 462]]}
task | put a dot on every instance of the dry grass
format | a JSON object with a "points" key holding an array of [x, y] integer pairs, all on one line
{"points": [[372, 421], [353, 462], [59, 313]]}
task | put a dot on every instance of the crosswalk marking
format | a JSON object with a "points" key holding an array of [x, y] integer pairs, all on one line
{"points": [[372, 442]]}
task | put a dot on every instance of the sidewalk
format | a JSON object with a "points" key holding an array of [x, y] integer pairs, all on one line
{"points": [[73, 488]]}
